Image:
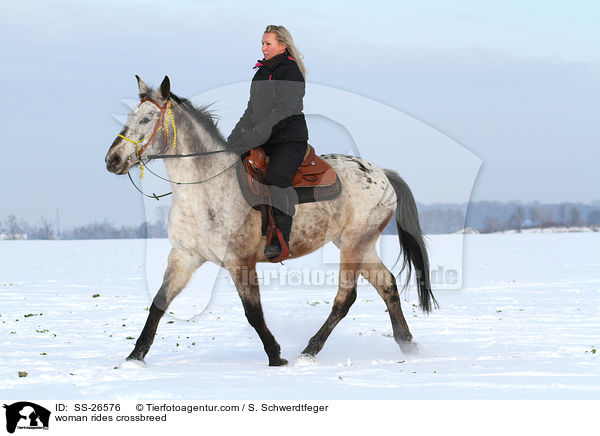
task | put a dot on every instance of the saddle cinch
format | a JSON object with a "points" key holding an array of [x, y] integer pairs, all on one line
{"points": [[315, 180]]}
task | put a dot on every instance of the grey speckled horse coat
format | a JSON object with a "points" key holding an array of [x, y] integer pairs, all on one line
{"points": [[212, 222]]}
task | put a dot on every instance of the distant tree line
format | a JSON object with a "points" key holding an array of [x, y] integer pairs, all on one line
{"points": [[13, 228], [490, 217], [483, 216], [493, 216]]}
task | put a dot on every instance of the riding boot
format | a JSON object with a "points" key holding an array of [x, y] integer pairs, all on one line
{"points": [[285, 159], [283, 222]]}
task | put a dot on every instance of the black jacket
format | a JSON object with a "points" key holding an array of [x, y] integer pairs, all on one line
{"points": [[274, 111]]}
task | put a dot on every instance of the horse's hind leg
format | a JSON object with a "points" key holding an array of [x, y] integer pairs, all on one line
{"points": [[344, 299], [179, 270], [246, 282], [384, 282]]}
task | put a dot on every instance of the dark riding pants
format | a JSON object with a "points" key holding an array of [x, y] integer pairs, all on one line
{"points": [[284, 160]]}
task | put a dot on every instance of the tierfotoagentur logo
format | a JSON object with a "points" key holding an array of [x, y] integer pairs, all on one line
{"points": [[324, 277], [26, 416]]}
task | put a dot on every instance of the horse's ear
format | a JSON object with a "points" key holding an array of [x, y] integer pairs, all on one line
{"points": [[165, 88], [144, 89]]}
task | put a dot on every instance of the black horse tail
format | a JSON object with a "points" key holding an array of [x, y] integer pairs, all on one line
{"points": [[412, 241]]}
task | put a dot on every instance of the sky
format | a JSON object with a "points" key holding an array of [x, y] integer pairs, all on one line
{"points": [[516, 84]]}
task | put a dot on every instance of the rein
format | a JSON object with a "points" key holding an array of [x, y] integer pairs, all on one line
{"points": [[157, 197], [163, 124], [171, 156]]}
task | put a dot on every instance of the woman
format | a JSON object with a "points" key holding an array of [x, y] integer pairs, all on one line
{"points": [[274, 120]]}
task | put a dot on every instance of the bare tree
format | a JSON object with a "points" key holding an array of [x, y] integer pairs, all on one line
{"points": [[14, 228], [516, 219], [562, 214], [574, 216], [46, 230], [594, 218], [535, 213], [491, 225], [548, 219], [162, 217]]}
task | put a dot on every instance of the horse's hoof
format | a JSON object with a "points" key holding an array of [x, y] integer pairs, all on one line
{"points": [[306, 360], [408, 347], [133, 363], [278, 362]]}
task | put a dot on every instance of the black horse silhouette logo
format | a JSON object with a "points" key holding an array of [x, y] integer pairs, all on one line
{"points": [[30, 415]]}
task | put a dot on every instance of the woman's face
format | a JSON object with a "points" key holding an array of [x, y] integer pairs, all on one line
{"points": [[270, 46]]}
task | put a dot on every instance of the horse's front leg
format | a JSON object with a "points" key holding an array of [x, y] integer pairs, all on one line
{"points": [[246, 282], [179, 270]]}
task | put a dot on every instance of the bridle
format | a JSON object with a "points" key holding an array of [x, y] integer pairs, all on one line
{"points": [[163, 124]]}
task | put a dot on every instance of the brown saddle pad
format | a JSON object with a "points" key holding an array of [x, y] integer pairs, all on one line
{"points": [[315, 180]]}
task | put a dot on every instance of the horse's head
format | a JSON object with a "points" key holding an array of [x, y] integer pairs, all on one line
{"points": [[145, 131]]}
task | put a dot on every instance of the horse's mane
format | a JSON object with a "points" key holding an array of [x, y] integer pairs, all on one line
{"points": [[207, 118], [203, 115]]}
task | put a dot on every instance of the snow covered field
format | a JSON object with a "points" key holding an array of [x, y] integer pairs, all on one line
{"points": [[524, 325]]}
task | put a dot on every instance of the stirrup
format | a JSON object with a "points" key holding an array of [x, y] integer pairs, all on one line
{"points": [[273, 250], [277, 250]]}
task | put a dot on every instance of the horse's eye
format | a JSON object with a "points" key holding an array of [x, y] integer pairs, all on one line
{"points": [[144, 120]]}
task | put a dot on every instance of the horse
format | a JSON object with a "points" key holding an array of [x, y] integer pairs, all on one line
{"points": [[210, 221]]}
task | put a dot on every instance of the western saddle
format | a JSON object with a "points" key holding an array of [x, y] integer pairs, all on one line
{"points": [[314, 174]]}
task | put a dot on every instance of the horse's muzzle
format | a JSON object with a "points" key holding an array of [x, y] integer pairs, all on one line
{"points": [[115, 164]]}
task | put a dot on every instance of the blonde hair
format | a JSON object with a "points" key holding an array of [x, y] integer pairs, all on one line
{"points": [[285, 37]]}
